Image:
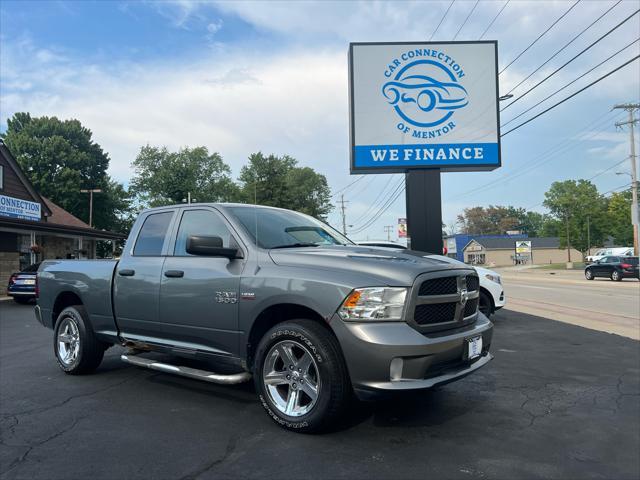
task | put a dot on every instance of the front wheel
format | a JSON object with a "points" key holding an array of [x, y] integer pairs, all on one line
{"points": [[588, 274], [74, 343], [486, 306], [301, 377], [616, 276]]}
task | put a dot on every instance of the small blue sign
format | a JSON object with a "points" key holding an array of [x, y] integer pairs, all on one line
{"points": [[18, 208], [421, 155]]}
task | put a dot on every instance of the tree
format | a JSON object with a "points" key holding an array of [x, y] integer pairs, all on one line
{"points": [[579, 206], [619, 218], [162, 177], [279, 182], [60, 158], [492, 220]]}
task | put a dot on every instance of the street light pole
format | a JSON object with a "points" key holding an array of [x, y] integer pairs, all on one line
{"points": [[91, 191], [631, 108]]}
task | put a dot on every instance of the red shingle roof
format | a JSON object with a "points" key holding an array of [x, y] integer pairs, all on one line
{"points": [[60, 216]]}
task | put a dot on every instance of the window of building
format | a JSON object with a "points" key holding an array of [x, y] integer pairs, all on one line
{"points": [[476, 258], [152, 234], [200, 222]]}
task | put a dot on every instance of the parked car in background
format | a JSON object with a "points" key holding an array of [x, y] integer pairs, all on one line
{"points": [[491, 292], [614, 267], [22, 285], [603, 252]]}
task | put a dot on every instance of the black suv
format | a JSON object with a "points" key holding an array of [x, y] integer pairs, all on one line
{"points": [[613, 267]]}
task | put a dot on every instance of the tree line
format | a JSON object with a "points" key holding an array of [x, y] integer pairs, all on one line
{"points": [[61, 158], [578, 214]]}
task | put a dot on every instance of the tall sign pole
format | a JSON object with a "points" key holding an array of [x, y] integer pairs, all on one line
{"points": [[91, 191], [635, 213], [422, 108]]}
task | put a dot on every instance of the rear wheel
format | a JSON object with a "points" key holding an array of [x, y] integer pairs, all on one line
{"points": [[301, 377], [588, 274], [616, 276], [74, 343]]}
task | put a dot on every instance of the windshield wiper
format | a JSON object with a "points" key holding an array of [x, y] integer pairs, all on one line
{"points": [[294, 245]]}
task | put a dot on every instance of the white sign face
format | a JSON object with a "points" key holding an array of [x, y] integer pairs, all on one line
{"points": [[18, 208], [424, 105], [523, 246]]}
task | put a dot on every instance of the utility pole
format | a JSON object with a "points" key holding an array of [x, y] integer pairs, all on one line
{"points": [[588, 236], [388, 229], [91, 191], [631, 108], [568, 239], [344, 217]]}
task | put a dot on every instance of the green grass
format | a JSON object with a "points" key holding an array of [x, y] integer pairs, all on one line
{"points": [[561, 266]]}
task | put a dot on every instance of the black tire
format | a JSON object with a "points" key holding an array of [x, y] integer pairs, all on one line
{"points": [[588, 274], [21, 300], [89, 350], [616, 276], [486, 304], [334, 387]]}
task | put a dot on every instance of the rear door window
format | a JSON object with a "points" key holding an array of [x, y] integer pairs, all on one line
{"points": [[153, 234]]}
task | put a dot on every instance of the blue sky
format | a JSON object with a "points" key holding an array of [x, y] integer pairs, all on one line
{"points": [[239, 77]]}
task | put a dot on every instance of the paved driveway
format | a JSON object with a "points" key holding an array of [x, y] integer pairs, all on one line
{"points": [[558, 401]]}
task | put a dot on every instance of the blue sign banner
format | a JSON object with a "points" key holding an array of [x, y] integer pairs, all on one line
{"points": [[18, 208], [421, 155]]}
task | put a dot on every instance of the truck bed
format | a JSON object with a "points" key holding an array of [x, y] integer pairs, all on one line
{"points": [[91, 280]]}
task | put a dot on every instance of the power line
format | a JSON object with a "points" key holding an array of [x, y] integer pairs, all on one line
{"points": [[572, 95], [442, 19], [381, 204], [607, 169], [378, 197], [569, 61], [349, 185], [570, 83], [540, 36], [561, 147], [494, 19], [394, 196], [466, 19], [566, 45]]}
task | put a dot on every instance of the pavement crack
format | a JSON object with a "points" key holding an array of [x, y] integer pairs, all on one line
{"points": [[231, 446]]}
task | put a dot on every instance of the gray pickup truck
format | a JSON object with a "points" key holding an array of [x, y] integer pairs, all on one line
{"points": [[272, 294]]}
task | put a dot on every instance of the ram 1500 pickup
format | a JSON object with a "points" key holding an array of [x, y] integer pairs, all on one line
{"points": [[271, 294]]}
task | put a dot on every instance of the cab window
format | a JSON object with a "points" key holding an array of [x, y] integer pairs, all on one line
{"points": [[152, 234], [200, 222]]}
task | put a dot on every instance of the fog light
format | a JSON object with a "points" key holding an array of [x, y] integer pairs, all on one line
{"points": [[395, 370]]}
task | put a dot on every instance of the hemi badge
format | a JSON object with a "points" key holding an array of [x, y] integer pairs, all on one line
{"points": [[248, 296]]}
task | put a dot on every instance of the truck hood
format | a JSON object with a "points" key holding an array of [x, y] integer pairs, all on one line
{"points": [[395, 267]]}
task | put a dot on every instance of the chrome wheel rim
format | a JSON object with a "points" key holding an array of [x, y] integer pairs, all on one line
{"points": [[616, 275], [68, 341], [291, 378], [588, 274]]}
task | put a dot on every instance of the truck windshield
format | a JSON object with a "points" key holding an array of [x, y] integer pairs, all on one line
{"points": [[286, 229]]}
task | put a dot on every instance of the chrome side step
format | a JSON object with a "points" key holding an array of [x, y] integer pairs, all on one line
{"points": [[187, 371]]}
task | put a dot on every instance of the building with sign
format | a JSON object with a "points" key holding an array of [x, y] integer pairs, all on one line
{"points": [[501, 251], [33, 228]]}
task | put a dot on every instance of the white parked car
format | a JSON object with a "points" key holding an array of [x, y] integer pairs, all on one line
{"points": [[604, 252], [491, 292]]}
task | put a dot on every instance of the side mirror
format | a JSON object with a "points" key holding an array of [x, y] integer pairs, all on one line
{"points": [[209, 246]]}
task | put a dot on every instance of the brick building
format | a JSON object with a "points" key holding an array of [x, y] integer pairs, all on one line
{"points": [[33, 228]]}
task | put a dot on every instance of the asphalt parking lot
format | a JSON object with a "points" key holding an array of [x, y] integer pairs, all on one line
{"points": [[558, 401]]}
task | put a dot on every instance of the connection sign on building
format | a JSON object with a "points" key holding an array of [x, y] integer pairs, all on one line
{"points": [[18, 208], [424, 105]]}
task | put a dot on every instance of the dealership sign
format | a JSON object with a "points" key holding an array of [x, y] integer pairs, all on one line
{"points": [[18, 208], [424, 105]]}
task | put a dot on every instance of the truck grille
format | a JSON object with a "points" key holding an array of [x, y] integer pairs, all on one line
{"points": [[435, 313], [446, 300], [439, 286]]}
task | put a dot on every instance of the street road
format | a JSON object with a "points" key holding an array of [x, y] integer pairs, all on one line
{"points": [[558, 401], [567, 296]]}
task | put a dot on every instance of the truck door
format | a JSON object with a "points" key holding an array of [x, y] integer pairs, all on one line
{"points": [[137, 279], [199, 295]]}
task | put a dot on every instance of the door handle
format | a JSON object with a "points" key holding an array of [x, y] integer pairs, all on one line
{"points": [[174, 273], [125, 272]]}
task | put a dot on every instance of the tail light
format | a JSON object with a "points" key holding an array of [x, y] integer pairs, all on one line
{"points": [[37, 287], [626, 265], [12, 279]]}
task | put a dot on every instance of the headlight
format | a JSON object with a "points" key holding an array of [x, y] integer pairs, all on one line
{"points": [[493, 278], [375, 303]]}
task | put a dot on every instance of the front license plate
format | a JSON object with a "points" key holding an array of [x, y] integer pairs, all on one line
{"points": [[474, 347]]}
